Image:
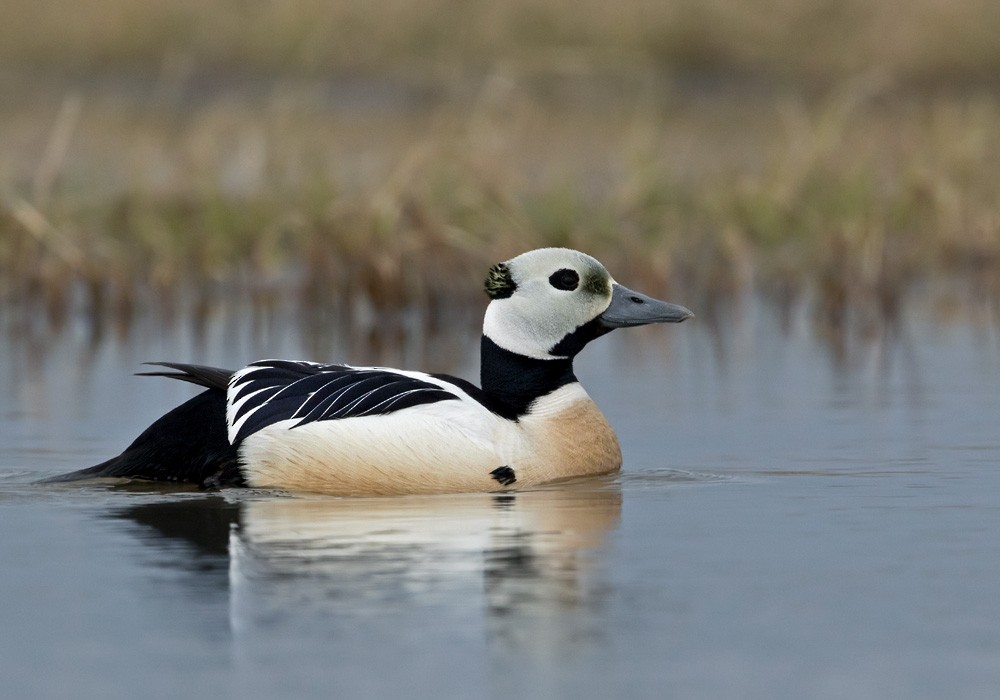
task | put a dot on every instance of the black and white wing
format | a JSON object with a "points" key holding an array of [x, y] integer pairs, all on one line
{"points": [[272, 391]]}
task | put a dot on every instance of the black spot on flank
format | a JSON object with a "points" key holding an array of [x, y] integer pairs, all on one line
{"points": [[505, 475], [499, 283], [565, 279]]}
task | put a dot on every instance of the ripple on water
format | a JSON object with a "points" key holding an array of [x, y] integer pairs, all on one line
{"points": [[16, 485], [17, 475], [667, 477]]}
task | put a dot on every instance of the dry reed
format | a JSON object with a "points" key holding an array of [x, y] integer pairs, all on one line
{"points": [[175, 153]]}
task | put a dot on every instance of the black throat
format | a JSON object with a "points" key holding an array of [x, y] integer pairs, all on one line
{"points": [[515, 381]]}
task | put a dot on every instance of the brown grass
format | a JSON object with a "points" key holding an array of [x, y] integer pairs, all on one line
{"points": [[802, 39], [175, 153]]}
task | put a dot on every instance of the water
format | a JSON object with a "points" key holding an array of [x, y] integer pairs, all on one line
{"points": [[793, 520]]}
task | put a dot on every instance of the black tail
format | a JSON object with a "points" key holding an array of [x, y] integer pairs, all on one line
{"points": [[189, 444], [208, 377]]}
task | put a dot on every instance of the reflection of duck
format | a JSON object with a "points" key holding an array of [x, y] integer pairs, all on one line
{"points": [[370, 431], [430, 548], [517, 562]]}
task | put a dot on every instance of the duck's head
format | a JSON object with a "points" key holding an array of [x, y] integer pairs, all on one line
{"points": [[549, 303]]}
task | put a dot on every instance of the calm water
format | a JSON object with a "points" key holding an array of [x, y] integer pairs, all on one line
{"points": [[791, 522]]}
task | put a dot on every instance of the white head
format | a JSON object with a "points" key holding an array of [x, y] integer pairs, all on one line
{"points": [[548, 303]]}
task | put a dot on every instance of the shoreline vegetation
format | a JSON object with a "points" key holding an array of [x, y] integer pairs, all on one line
{"points": [[169, 155]]}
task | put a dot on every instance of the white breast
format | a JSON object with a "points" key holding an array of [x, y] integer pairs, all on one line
{"points": [[449, 446]]}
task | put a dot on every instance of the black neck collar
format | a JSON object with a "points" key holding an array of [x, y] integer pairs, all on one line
{"points": [[515, 381]]}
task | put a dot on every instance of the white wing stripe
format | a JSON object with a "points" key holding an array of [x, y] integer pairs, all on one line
{"points": [[327, 407], [305, 401], [345, 409], [388, 402], [327, 402], [234, 408]]}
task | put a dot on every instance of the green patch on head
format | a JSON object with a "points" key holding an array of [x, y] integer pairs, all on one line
{"points": [[499, 283], [597, 283]]}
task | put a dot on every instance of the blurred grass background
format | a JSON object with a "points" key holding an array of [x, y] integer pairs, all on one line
{"points": [[172, 153]]}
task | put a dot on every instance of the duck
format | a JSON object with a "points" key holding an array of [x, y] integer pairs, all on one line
{"points": [[346, 430]]}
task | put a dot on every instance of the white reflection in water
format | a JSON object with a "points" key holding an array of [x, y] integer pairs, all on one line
{"points": [[510, 557]]}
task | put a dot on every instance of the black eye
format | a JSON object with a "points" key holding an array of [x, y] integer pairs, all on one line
{"points": [[565, 279]]}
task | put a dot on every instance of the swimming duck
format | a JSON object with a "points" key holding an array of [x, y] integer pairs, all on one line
{"points": [[347, 430]]}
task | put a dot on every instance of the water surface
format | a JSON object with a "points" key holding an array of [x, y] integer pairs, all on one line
{"points": [[792, 521]]}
